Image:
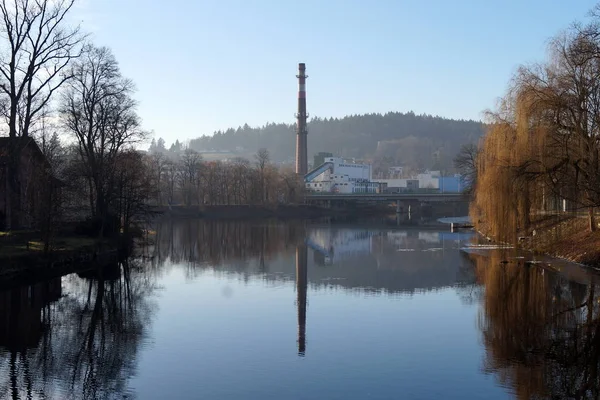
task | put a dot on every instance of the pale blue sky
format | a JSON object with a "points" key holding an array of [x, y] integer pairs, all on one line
{"points": [[204, 65]]}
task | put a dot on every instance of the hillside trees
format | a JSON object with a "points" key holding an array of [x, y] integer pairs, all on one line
{"points": [[410, 139]]}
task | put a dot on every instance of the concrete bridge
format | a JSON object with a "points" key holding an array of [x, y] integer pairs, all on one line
{"points": [[402, 201], [388, 197]]}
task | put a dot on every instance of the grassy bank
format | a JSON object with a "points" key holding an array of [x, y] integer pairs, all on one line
{"points": [[561, 236], [568, 238], [23, 260], [21, 246]]}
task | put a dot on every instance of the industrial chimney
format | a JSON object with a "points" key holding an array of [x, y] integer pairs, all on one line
{"points": [[301, 128]]}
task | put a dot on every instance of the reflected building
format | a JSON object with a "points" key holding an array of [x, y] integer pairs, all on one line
{"points": [[336, 245], [392, 261], [345, 257]]}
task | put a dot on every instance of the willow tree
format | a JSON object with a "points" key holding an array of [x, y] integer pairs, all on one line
{"points": [[566, 94], [544, 139], [504, 195]]}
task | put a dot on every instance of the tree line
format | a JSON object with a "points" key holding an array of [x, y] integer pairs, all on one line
{"points": [[67, 93], [57, 87], [415, 141], [186, 179], [542, 150]]}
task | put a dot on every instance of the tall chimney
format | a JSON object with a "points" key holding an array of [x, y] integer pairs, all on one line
{"points": [[301, 128]]}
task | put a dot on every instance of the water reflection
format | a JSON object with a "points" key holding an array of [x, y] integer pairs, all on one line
{"points": [[81, 336], [366, 259], [369, 259], [541, 330], [74, 338], [210, 243]]}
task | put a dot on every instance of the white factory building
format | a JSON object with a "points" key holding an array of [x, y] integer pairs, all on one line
{"points": [[429, 180], [337, 175], [426, 180]]}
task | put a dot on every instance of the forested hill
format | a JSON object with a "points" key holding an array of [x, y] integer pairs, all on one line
{"points": [[419, 141]]}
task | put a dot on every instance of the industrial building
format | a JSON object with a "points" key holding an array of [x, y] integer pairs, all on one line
{"points": [[336, 175], [429, 180]]}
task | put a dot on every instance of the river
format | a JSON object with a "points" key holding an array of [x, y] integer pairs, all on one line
{"points": [[231, 310]]}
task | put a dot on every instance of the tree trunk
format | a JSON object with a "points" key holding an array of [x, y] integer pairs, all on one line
{"points": [[592, 220]]}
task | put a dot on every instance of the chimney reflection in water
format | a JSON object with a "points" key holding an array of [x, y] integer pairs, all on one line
{"points": [[301, 288]]}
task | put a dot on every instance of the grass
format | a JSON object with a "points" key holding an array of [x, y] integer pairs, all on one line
{"points": [[36, 247], [6, 234], [566, 237]]}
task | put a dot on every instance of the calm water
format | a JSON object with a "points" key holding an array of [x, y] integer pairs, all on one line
{"points": [[305, 311]]}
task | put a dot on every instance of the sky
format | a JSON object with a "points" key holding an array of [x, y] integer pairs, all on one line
{"points": [[207, 65]]}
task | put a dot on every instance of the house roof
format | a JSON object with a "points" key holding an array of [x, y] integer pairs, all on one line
{"points": [[5, 143]]}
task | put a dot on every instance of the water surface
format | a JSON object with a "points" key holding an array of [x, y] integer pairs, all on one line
{"points": [[228, 310]]}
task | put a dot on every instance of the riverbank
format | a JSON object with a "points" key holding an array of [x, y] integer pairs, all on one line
{"points": [[561, 236], [22, 259], [567, 238]]}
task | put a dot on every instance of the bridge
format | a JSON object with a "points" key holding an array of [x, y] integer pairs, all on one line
{"points": [[427, 197]]}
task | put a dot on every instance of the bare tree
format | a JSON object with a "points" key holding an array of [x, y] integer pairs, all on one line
{"points": [[465, 163], [171, 170], [39, 47], [189, 169], [292, 186], [158, 164], [133, 187], [239, 180], [262, 161], [98, 110], [51, 188], [564, 98]]}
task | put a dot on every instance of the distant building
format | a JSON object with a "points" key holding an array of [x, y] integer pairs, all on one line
{"points": [[429, 180], [452, 184], [336, 175]]}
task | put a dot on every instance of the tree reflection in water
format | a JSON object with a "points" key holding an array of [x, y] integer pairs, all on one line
{"points": [[541, 331], [212, 243], [75, 341], [77, 337]]}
